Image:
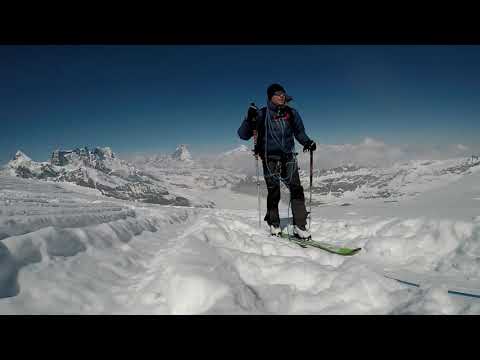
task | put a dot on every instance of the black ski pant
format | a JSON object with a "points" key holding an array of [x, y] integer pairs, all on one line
{"points": [[283, 168]]}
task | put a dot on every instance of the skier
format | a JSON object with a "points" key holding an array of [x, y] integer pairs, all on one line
{"points": [[276, 125]]}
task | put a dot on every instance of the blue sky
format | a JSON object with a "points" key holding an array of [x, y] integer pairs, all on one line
{"points": [[151, 98]]}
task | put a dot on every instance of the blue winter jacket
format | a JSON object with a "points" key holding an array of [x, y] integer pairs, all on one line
{"points": [[279, 130]]}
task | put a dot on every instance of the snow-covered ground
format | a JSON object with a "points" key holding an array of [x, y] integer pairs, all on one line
{"points": [[66, 249]]}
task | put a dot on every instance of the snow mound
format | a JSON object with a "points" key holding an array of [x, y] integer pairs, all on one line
{"points": [[8, 273]]}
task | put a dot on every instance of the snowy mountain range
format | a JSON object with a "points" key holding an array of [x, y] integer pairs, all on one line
{"points": [[401, 180], [100, 169], [179, 179], [182, 170], [350, 181]]}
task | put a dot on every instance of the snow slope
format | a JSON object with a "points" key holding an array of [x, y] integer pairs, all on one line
{"points": [[66, 249]]}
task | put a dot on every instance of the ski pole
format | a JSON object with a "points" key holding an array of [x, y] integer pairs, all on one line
{"points": [[311, 180], [256, 159], [258, 193]]}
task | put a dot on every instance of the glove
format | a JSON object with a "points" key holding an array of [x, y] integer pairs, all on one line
{"points": [[252, 113], [310, 146]]}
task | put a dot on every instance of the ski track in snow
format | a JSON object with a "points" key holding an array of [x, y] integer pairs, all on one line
{"points": [[65, 249]]}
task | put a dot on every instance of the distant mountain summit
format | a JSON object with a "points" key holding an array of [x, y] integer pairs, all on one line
{"points": [[239, 150], [25, 167], [20, 156], [83, 156], [182, 153]]}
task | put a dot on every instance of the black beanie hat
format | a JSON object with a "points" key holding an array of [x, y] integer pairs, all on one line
{"points": [[272, 89]]}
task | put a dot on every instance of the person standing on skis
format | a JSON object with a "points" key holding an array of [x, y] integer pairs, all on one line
{"points": [[277, 125]]}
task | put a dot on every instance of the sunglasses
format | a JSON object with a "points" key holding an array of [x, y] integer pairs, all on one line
{"points": [[279, 93]]}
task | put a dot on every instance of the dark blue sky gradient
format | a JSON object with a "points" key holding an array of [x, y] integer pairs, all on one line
{"points": [[151, 98]]}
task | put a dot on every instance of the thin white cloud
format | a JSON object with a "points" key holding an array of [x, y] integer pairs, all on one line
{"points": [[372, 152], [369, 142]]}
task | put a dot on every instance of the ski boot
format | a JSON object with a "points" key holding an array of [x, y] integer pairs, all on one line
{"points": [[301, 233], [275, 230]]}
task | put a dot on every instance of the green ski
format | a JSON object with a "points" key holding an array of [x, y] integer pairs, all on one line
{"points": [[335, 249]]}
